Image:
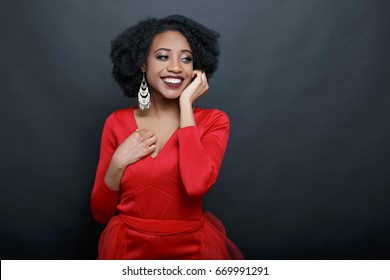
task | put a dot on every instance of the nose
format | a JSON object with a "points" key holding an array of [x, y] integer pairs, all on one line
{"points": [[174, 66]]}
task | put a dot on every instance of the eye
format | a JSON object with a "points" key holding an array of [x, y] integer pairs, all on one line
{"points": [[162, 57], [187, 59]]}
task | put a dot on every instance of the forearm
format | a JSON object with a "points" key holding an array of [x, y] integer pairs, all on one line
{"points": [[103, 202], [197, 170], [114, 174], [186, 114], [105, 194], [201, 150]]}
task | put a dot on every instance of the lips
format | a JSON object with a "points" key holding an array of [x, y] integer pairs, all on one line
{"points": [[173, 81]]}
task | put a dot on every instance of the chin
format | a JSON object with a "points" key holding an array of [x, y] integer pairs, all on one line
{"points": [[171, 94]]}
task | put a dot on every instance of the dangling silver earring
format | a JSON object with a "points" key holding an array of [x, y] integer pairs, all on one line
{"points": [[144, 95]]}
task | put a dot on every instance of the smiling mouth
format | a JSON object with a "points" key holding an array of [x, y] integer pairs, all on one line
{"points": [[173, 82]]}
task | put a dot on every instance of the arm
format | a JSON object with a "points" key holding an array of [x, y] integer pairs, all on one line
{"points": [[114, 158], [200, 156], [104, 199]]}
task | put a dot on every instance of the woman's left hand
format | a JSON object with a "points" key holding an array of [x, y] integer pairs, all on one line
{"points": [[196, 88]]}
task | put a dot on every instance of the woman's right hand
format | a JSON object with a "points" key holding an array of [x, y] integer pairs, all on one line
{"points": [[139, 144]]}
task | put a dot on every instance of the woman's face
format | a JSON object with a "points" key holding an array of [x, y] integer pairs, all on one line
{"points": [[169, 66]]}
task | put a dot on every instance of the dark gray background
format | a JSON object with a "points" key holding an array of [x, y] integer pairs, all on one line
{"points": [[306, 86]]}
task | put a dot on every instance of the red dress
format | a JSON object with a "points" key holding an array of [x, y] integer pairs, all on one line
{"points": [[157, 213]]}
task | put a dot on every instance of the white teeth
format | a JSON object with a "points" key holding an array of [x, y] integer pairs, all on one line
{"points": [[172, 80]]}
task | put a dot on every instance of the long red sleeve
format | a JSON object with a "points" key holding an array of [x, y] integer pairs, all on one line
{"points": [[104, 200], [201, 152]]}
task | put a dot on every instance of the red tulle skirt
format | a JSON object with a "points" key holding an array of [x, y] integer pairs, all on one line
{"points": [[127, 237]]}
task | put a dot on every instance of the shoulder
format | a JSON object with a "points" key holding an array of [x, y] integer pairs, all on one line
{"points": [[210, 119], [210, 116], [120, 117], [124, 113]]}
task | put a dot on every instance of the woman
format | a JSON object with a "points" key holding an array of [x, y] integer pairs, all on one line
{"points": [[159, 160]]}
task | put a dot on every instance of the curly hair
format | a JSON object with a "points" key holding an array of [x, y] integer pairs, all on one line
{"points": [[129, 50]]}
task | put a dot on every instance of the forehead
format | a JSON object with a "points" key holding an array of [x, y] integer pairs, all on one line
{"points": [[173, 40]]}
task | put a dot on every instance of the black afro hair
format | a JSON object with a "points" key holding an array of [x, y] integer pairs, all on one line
{"points": [[129, 50]]}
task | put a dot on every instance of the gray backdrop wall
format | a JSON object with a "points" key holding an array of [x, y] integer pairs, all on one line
{"points": [[305, 83]]}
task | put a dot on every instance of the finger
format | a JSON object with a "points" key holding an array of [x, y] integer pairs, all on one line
{"points": [[144, 134], [203, 78], [150, 141], [138, 134], [141, 131], [203, 83], [206, 82], [148, 134], [198, 81], [196, 74], [150, 149]]}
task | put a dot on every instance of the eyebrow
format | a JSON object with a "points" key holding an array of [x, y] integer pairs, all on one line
{"points": [[168, 50]]}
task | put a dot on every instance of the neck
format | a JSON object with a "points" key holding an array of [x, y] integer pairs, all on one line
{"points": [[162, 107]]}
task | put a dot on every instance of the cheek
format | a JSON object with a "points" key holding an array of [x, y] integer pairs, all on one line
{"points": [[152, 72], [190, 72], [187, 82]]}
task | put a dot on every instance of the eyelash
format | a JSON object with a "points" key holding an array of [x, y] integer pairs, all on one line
{"points": [[165, 57], [162, 57], [187, 59]]}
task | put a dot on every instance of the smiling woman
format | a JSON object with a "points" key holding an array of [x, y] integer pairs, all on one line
{"points": [[169, 69], [159, 160]]}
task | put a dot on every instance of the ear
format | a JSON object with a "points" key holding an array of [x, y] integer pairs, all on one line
{"points": [[143, 68]]}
